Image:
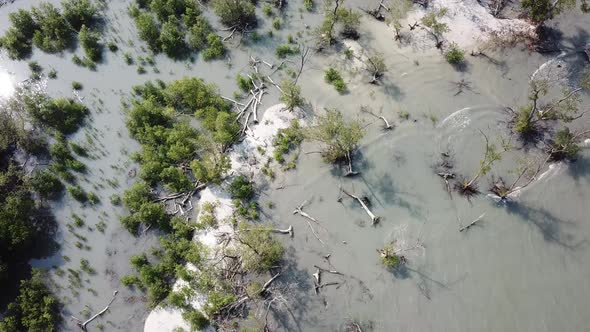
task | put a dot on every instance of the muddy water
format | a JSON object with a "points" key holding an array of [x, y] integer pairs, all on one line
{"points": [[525, 267]]}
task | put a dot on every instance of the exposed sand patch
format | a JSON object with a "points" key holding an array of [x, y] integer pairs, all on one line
{"points": [[470, 23], [245, 158]]}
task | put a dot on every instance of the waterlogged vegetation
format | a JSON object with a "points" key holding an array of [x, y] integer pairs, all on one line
{"points": [[26, 218], [54, 29], [176, 28], [201, 191]]}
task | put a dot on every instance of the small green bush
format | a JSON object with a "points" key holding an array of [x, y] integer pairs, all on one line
{"points": [[128, 58], [332, 76], [276, 23], [77, 85], [46, 184], [112, 46], [455, 55], [286, 140], [196, 319], [244, 83], [78, 193], [35, 67], [389, 258], [285, 50]]}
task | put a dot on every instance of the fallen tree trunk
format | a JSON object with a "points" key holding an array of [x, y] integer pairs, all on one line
{"points": [[269, 282], [387, 125], [83, 325], [473, 222], [299, 210], [350, 172], [374, 218], [275, 230]]}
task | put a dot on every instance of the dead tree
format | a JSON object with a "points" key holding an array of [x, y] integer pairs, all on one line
{"points": [[376, 13], [476, 220], [374, 218], [299, 210], [376, 66], [366, 109], [303, 56], [83, 324], [461, 86]]}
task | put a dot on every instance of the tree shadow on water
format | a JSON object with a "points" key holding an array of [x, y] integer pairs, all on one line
{"points": [[296, 289], [579, 169], [425, 283], [386, 194], [548, 224]]}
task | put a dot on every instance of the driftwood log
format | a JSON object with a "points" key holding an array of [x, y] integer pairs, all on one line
{"points": [[478, 219], [374, 218], [366, 109], [299, 210], [83, 324]]}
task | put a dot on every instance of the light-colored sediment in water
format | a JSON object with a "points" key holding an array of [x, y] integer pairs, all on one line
{"points": [[246, 158], [470, 23]]}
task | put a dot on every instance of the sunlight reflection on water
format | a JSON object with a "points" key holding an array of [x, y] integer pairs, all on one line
{"points": [[6, 84]]}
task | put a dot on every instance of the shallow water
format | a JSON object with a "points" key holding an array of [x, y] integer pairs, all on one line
{"points": [[525, 267]]}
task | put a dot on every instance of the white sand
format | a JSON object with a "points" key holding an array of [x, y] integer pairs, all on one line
{"points": [[245, 158], [469, 22]]}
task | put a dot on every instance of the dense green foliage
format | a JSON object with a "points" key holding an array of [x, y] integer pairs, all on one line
{"points": [[339, 137], [176, 27], [215, 48], [149, 30], [168, 142], [198, 32], [157, 274], [62, 115], [35, 308], [79, 13], [26, 226], [172, 38], [47, 27], [46, 184], [241, 188], [90, 43], [238, 14]]}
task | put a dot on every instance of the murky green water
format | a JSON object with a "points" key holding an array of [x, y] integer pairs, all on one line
{"points": [[525, 267]]}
